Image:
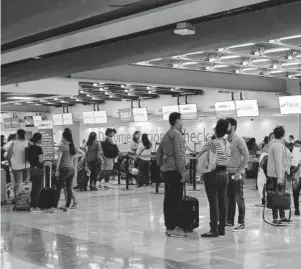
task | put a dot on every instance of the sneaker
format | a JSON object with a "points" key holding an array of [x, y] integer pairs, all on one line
{"points": [[297, 212], [229, 224], [64, 208], [176, 233], [209, 234], [74, 206], [239, 227], [36, 210], [287, 221], [51, 210], [277, 222]]}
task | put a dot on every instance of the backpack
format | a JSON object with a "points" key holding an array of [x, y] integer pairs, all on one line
{"points": [[109, 150]]}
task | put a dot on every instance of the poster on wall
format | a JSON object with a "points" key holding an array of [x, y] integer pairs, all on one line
{"points": [[47, 144], [140, 114], [247, 108], [225, 109], [290, 104], [125, 115], [189, 111], [167, 110]]}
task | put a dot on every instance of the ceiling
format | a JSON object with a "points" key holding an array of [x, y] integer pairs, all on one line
{"points": [[279, 58], [19, 98], [148, 36]]}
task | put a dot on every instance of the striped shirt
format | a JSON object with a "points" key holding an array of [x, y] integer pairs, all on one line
{"points": [[223, 155], [237, 145]]}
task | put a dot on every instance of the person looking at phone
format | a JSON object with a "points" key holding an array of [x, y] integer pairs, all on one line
{"points": [[236, 172]]}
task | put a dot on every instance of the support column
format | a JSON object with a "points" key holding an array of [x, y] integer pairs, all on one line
{"points": [[294, 87]]}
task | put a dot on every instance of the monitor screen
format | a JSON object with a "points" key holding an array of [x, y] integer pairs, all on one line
{"points": [[88, 117], [15, 122], [125, 115], [167, 110], [140, 114], [67, 119], [7, 123], [100, 117], [57, 119], [189, 111], [225, 109], [247, 108], [37, 120], [290, 104], [29, 121]]}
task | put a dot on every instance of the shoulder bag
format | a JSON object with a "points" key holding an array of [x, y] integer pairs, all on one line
{"points": [[136, 163]]}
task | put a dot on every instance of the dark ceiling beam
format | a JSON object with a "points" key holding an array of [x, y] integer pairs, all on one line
{"points": [[188, 78], [249, 27]]}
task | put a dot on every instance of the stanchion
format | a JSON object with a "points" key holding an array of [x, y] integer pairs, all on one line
{"points": [[194, 161], [127, 166]]}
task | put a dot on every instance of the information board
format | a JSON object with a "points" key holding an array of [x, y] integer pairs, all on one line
{"points": [[47, 144]]}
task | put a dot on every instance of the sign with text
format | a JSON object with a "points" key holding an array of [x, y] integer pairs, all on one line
{"points": [[247, 108], [37, 120], [125, 115], [290, 104], [62, 119], [47, 144], [29, 121], [7, 123], [67, 119], [189, 111], [225, 109], [93, 117], [15, 122], [167, 110], [140, 114]]}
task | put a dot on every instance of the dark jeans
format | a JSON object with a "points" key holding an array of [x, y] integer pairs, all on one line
{"points": [[172, 197], [216, 190], [93, 166], [236, 196], [296, 194], [272, 185], [65, 178], [7, 172], [143, 172], [37, 183]]}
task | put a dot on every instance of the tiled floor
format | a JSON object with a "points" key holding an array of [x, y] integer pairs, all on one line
{"points": [[116, 228]]}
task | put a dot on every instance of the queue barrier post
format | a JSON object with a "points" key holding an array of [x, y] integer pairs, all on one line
{"points": [[194, 163], [119, 169], [127, 166]]}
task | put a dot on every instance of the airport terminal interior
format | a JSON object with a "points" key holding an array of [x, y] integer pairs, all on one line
{"points": [[150, 134]]}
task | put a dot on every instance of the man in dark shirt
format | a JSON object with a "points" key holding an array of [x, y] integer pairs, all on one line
{"points": [[171, 160]]}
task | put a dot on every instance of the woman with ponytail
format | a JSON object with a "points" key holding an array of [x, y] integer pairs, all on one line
{"points": [[65, 169]]}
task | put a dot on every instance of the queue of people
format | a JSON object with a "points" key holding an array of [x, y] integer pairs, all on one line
{"points": [[227, 156]]}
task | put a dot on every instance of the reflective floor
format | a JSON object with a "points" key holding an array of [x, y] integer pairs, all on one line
{"points": [[117, 228]]}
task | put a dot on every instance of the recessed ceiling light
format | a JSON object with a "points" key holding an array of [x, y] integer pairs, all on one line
{"points": [[43, 101], [193, 53], [122, 86], [290, 64], [81, 91], [126, 90], [55, 99], [129, 93], [106, 88], [172, 89], [128, 85], [150, 92], [249, 69], [290, 37], [229, 57], [19, 98], [276, 50], [29, 102], [106, 93], [93, 98], [100, 89], [189, 63], [37, 104], [241, 45], [72, 97], [148, 88], [260, 60], [95, 84], [220, 65], [88, 95], [111, 96], [17, 104], [277, 71], [63, 101]]}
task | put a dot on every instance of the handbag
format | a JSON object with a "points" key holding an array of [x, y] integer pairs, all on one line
{"points": [[278, 200], [136, 163]]}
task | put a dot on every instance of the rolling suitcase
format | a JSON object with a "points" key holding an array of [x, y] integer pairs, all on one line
{"points": [[3, 187], [188, 212], [48, 192]]}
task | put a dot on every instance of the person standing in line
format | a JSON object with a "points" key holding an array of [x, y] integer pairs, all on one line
{"points": [[65, 168], [110, 152], [144, 152], [18, 160], [216, 181], [135, 142], [236, 172], [278, 162], [36, 160], [171, 160], [296, 175], [93, 159]]}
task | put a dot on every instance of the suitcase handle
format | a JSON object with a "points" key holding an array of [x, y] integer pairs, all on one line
{"points": [[48, 164], [184, 189]]}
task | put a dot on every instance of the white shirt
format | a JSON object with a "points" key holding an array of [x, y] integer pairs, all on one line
{"points": [[143, 153], [18, 157]]}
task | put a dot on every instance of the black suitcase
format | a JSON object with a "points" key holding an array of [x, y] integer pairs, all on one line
{"points": [[48, 192], [82, 179], [188, 213]]}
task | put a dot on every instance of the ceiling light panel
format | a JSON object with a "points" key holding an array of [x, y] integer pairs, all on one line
{"points": [[251, 58]]}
